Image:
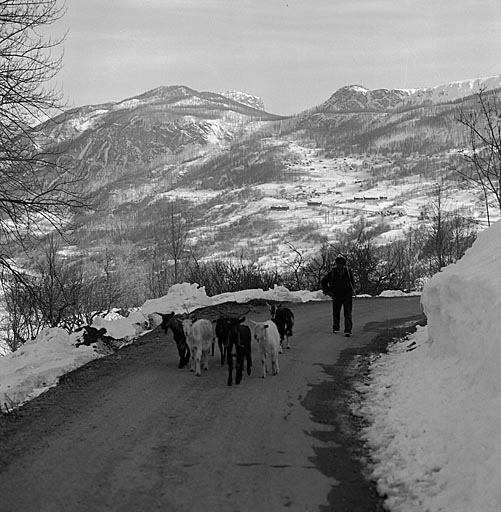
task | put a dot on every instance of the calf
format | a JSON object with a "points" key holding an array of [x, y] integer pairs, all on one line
{"points": [[268, 339], [200, 339], [284, 320], [174, 323], [234, 342]]}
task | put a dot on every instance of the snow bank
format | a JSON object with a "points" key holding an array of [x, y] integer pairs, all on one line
{"points": [[462, 304], [434, 401], [39, 363], [398, 293], [185, 297]]}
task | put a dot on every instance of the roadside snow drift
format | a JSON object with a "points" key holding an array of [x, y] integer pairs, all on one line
{"points": [[434, 401]]}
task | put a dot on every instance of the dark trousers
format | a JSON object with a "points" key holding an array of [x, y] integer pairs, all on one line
{"points": [[346, 303]]}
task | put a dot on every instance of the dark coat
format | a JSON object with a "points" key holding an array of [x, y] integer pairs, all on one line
{"points": [[338, 284]]}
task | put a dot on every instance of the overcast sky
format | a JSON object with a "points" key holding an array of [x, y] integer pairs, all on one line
{"points": [[292, 53]]}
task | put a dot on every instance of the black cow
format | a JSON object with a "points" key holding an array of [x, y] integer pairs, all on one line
{"points": [[284, 319], [174, 323], [234, 342], [222, 333]]}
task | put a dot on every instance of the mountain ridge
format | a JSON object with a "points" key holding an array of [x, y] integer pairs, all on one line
{"points": [[356, 97], [229, 162]]}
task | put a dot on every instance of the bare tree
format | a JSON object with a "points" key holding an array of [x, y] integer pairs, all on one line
{"points": [[48, 296], [483, 127], [35, 191], [296, 265], [21, 320], [319, 265], [448, 235], [177, 230], [158, 279], [170, 236]]}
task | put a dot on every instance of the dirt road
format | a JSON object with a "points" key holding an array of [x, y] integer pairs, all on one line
{"points": [[133, 433]]}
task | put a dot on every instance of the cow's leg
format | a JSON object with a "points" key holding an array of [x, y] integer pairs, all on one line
{"points": [[205, 359], [192, 359], [287, 342], [274, 364], [248, 356], [184, 357], [240, 364], [229, 358], [222, 351], [263, 362], [181, 351], [181, 361], [198, 358], [280, 349]]}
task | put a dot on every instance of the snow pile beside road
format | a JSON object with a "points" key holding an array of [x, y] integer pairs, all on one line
{"points": [[39, 363], [434, 401]]}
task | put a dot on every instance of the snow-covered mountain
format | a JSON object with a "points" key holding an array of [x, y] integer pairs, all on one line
{"points": [[177, 110], [246, 99], [361, 153], [358, 98], [452, 91]]}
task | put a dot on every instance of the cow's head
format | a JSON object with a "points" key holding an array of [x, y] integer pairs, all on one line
{"points": [[228, 329], [167, 320], [273, 310]]}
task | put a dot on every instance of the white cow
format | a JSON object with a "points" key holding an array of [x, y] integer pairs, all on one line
{"points": [[268, 339], [200, 338]]}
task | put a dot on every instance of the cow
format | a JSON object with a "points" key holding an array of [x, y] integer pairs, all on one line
{"points": [[268, 338], [222, 332], [234, 340], [284, 320], [174, 323], [200, 339]]}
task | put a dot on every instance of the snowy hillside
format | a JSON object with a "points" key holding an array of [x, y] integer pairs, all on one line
{"points": [[326, 196]]}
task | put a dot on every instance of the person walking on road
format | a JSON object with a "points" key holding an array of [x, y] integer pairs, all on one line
{"points": [[340, 286]]}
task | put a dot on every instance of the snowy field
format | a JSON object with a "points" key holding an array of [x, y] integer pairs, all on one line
{"points": [[434, 401], [432, 404]]}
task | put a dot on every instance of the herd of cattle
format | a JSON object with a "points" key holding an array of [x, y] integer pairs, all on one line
{"points": [[195, 340]]}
